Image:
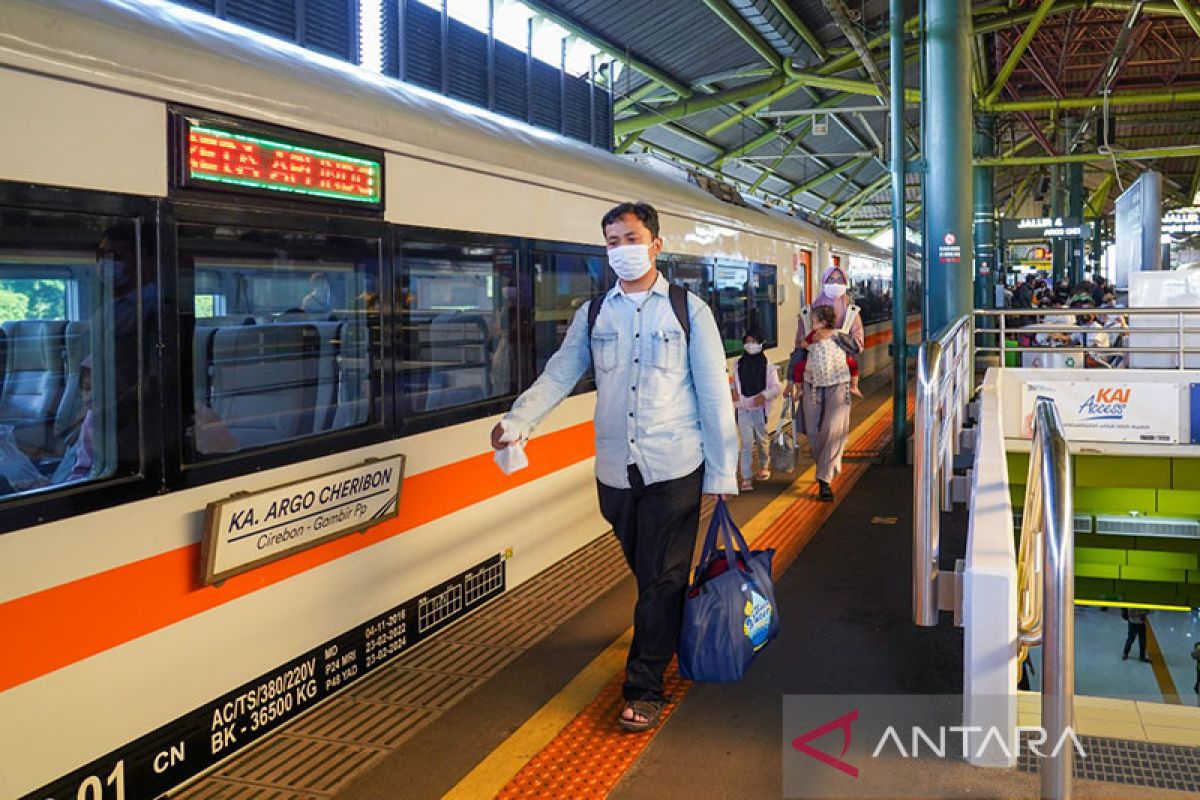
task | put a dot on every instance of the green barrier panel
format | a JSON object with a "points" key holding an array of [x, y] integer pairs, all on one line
{"points": [[1165, 543], [1193, 576], [1085, 570], [1179, 502], [1012, 359], [1149, 592], [1185, 473], [1122, 472], [1108, 500], [1088, 588], [1018, 467], [1153, 574], [1149, 558], [1100, 555]]}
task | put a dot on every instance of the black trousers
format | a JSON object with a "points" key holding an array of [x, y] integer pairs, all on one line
{"points": [[656, 526], [1136, 631]]}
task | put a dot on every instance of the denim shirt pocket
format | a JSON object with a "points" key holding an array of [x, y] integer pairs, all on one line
{"points": [[667, 350], [604, 351]]}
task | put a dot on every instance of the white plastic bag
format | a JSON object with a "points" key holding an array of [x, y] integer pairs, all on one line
{"points": [[512, 458]]}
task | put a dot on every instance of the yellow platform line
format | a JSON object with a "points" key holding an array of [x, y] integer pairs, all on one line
{"points": [[506, 761]]}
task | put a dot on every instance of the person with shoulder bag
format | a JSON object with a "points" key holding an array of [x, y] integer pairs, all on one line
{"points": [[665, 434]]}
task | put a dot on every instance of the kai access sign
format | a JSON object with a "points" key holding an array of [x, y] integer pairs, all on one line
{"points": [[230, 156]]}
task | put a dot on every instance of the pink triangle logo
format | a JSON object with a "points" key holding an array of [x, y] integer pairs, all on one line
{"points": [[842, 722]]}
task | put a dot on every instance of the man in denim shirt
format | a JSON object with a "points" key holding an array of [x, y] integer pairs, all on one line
{"points": [[665, 433]]}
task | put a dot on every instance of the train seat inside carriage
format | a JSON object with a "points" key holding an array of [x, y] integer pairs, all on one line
{"points": [[33, 381], [288, 375]]}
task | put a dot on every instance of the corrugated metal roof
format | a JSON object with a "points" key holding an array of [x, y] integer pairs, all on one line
{"points": [[682, 37]]}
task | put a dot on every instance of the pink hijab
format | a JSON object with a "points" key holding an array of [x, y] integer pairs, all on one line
{"points": [[840, 306], [842, 303]]}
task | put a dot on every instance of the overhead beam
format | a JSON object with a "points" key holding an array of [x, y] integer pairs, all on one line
{"points": [[738, 24], [841, 16], [1127, 98], [766, 173], [1148, 154], [866, 193], [1018, 50], [789, 15], [1189, 13], [548, 11], [754, 108], [1099, 196], [695, 104], [812, 183], [774, 133]]}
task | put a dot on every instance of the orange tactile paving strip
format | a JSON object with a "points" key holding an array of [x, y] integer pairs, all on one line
{"points": [[592, 753]]}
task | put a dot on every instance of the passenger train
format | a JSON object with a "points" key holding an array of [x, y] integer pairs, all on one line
{"points": [[260, 310]]}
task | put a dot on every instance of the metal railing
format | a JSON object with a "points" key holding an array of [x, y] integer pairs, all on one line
{"points": [[994, 330], [945, 372], [1046, 588]]}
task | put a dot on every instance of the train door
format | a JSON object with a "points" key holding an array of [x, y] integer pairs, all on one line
{"points": [[804, 276]]}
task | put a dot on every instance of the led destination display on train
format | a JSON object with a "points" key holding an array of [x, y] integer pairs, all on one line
{"points": [[234, 159], [250, 529]]}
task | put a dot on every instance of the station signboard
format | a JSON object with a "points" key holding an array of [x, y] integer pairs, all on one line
{"points": [[1043, 228], [1182, 222], [250, 529]]}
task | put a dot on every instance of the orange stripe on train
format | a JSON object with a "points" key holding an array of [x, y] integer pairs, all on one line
{"points": [[65, 624]]}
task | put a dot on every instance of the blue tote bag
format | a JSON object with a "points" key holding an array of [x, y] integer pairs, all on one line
{"points": [[729, 612]]}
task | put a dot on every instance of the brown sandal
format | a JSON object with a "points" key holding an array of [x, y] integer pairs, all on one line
{"points": [[650, 710]]}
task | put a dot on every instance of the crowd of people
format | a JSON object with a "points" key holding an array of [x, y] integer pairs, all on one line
{"points": [[1090, 306]]}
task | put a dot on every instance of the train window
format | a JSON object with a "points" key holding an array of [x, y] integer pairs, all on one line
{"points": [[562, 282], [733, 304], [281, 335], [70, 334], [458, 326], [695, 276], [764, 313]]}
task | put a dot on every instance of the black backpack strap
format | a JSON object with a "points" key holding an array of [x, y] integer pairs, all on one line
{"points": [[679, 304], [594, 312], [678, 296]]}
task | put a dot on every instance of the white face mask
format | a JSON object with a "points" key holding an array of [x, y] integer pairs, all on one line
{"points": [[835, 290], [753, 348], [630, 261]]}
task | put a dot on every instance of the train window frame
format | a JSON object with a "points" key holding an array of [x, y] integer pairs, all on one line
{"points": [[772, 332], [677, 260], [408, 423], [23, 511], [560, 248], [183, 470]]}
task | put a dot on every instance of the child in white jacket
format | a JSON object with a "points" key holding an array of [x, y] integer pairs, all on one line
{"points": [[755, 385]]}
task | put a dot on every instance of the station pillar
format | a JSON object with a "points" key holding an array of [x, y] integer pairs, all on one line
{"points": [[986, 263], [1075, 201], [946, 110], [1058, 245]]}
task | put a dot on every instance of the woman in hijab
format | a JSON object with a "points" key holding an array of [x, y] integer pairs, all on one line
{"points": [[825, 410]]}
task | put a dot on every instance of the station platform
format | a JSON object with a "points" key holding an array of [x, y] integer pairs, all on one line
{"points": [[520, 699]]}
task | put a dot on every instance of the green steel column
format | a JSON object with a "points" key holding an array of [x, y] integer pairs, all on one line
{"points": [[948, 132], [985, 215], [899, 243], [1075, 201], [1058, 247]]}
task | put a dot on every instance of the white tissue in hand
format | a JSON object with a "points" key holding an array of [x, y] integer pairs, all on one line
{"points": [[512, 458]]}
